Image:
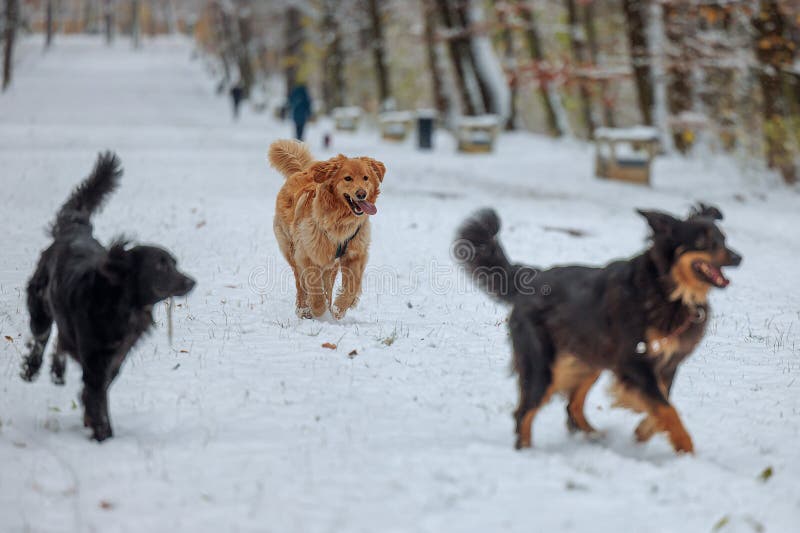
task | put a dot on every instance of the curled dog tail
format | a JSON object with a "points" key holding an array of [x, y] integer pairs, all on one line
{"points": [[89, 196], [476, 247], [289, 156]]}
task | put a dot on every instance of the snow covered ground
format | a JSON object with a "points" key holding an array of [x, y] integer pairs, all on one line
{"points": [[247, 424]]}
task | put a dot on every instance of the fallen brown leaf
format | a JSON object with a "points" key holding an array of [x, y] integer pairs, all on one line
{"points": [[9, 338], [105, 504], [352, 354], [200, 224], [329, 345]]}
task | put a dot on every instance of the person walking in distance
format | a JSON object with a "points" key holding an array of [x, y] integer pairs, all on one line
{"points": [[300, 109], [237, 95]]}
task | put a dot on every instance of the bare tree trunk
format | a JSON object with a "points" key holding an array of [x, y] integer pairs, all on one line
{"points": [[440, 100], [578, 46], [49, 23], [455, 49], [243, 15], [294, 44], [379, 53], [136, 31], [509, 64], [333, 60], [536, 53], [591, 43], [454, 15], [12, 19], [636, 18], [774, 52], [224, 42], [679, 66], [108, 16]]}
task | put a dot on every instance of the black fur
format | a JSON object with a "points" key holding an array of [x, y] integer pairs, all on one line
{"points": [[600, 316], [100, 299]]}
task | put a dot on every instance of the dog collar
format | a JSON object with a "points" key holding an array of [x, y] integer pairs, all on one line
{"points": [[341, 248], [654, 346]]}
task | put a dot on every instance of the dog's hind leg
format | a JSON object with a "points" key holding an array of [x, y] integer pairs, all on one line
{"points": [[533, 357], [58, 365], [41, 323]]}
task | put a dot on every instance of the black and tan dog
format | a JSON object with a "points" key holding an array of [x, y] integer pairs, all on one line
{"points": [[100, 299], [639, 318]]}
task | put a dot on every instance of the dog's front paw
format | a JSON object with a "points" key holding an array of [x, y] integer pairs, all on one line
{"points": [[303, 312], [338, 313], [646, 429], [101, 432], [682, 442], [30, 369]]}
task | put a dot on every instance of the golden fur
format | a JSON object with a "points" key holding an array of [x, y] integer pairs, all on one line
{"points": [[313, 219]]}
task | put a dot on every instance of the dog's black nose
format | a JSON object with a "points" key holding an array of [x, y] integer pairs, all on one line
{"points": [[188, 284], [734, 259], [361, 194]]}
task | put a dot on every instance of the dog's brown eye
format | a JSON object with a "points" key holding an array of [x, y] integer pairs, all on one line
{"points": [[348, 178]]}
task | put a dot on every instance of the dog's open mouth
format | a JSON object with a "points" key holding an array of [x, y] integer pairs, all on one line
{"points": [[710, 274], [359, 207]]}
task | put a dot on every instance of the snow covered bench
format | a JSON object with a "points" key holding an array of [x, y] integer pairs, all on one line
{"points": [[346, 118], [396, 125], [625, 154], [477, 134]]}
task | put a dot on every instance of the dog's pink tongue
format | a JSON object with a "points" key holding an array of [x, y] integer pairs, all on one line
{"points": [[368, 207]]}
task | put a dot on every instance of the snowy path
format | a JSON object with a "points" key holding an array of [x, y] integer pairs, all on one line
{"points": [[247, 424]]}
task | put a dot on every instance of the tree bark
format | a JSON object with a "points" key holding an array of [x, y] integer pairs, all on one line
{"points": [[440, 100], [333, 60], [578, 46], [108, 17], [591, 44], [536, 53], [246, 75], [679, 67], [774, 51], [509, 65], [49, 23], [12, 19], [294, 43], [136, 31], [378, 45], [455, 47], [636, 19]]}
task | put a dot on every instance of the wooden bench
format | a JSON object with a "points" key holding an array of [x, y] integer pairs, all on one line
{"points": [[346, 118], [396, 125], [477, 134], [625, 154]]}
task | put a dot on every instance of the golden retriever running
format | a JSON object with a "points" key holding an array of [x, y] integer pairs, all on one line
{"points": [[321, 223]]}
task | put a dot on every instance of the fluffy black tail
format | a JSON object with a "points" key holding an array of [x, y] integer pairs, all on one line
{"points": [[477, 248], [89, 196]]}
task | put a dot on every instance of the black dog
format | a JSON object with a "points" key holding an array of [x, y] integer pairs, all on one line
{"points": [[100, 299], [638, 318]]}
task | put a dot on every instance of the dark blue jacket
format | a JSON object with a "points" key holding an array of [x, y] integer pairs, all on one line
{"points": [[300, 104]]}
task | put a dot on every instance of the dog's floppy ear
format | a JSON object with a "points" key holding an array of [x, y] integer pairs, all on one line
{"points": [[116, 265], [325, 170], [702, 210], [661, 223], [377, 167]]}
